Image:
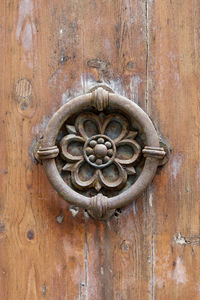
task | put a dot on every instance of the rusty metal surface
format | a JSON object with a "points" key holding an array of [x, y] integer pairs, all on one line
{"points": [[99, 140]]}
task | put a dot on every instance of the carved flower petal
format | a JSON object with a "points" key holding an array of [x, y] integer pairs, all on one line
{"points": [[68, 167], [131, 135], [130, 170], [72, 147], [71, 129], [127, 152], [97, 185], [113, 176], [83, 175], [115, 126], [88, 124]]}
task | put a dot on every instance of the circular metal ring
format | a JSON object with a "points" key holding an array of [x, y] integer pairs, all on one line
{"points": [[133, 113]]}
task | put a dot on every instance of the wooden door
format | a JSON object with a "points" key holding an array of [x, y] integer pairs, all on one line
{"points": [[52, 51]]}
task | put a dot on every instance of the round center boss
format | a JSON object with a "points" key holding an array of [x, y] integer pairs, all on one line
{"points": [[99, 151]]}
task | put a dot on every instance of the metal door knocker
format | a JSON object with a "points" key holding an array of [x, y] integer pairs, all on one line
{"points": [[100, 151]]}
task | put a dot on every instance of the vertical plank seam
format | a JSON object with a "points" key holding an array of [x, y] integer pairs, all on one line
{"points": [[147, 54], [86, 260], [152, 257], [147, 110], [84, 83]]}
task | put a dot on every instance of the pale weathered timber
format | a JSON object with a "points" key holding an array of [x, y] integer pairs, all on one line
{"points": [[53, 51], [173, 102]]}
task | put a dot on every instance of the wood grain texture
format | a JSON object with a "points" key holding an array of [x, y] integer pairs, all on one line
{"points": [[52, 51], [173, 80]]}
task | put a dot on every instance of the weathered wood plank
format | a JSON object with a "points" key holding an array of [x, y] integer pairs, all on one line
{"points": [[52, 51], [173, 81], [39, 256], [119, 251]]}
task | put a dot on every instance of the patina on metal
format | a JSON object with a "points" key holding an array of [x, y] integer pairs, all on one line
{"points": [[100, 151]]}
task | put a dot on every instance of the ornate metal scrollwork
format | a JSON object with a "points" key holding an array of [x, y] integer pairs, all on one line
{"points": [[100, 151]]}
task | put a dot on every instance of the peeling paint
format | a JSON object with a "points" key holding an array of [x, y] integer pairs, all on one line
{"points": [[189, 240], [102, 271], [74, 211], [26, 31], [59, 270], [198, 173], [179, 274], [59, 219], [176, 164], [44, 289], [150, 199], [171, 72], [135, 207], [108, 47], [162, 263], [27, 37], [179, 239], [159, 281], [53, 79], [39, 128], [134, 87], [116, 85], [177, 79], [25, 10], [87, 82], [69, 94], [198, 288]]}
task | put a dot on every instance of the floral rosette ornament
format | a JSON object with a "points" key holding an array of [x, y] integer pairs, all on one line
{"points": [[100, 151], [92, 155]]}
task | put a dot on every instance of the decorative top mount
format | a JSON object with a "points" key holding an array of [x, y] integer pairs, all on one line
{"points": [[100, 151]]}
